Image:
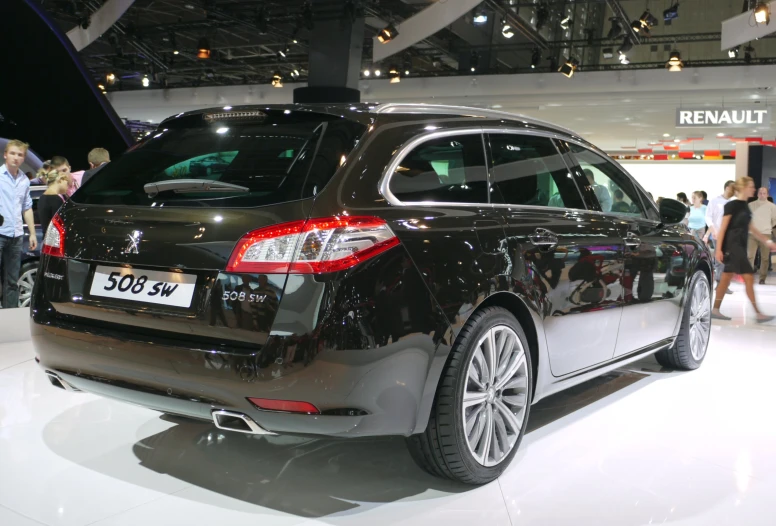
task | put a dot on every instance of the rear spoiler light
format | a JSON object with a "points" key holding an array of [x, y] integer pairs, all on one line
{"points": [[315, 246]]}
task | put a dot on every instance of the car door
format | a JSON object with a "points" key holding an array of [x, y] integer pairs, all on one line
{"points": [[565, 258], [655, 258], [445, 220]]}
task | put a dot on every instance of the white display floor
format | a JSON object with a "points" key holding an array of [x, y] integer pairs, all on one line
{"points": [[640, 446]]}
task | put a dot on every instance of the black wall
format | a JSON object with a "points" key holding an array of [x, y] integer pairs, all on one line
{"points": [[47, 97]]}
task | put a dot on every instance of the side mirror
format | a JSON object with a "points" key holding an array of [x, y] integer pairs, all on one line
{"points": [[672, 212]]}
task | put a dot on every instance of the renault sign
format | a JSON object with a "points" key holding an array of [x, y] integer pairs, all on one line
{"points": [[757, 117]]}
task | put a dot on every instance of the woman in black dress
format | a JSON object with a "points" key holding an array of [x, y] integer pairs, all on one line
{"points": [[52, 198], [732, 247]]}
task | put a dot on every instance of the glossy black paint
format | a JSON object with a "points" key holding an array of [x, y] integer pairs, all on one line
{"points": [[367, 345]]}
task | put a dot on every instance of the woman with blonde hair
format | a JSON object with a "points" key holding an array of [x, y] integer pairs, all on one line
{"points": [[732, 247], [53, 198]]}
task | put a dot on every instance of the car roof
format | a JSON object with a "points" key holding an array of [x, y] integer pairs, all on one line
{"points": [[364, 112]]}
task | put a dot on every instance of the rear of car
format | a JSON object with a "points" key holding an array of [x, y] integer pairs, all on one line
{"points": [[189, 277]]}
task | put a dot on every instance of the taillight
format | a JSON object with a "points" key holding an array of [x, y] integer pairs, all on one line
{"points": [[315, 246], [286, 406], [54, 240]]}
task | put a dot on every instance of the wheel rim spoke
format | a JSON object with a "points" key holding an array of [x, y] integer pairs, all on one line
{"points": [[496, 397], [700, 320]]}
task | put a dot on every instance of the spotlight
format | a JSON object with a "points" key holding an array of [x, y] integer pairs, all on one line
{"points": [[675, 62], [387, 34], [608, 52], [145, 81], [307, 16], [176, 52], [536, 57], [474, 61], [284, 51], [671, 13], [566, 22], [480, 17], [624, 60], [277, 80], [762, 13], [367, 72], [626, 46], [295, 73], [406, 73], [393, 74], [203, 48], [648, 20], [615, 31], [110, 77], [101, 86], [506, 31], [569, 67], [542, 15], [85, 22], [378, 73], [733, 52]]}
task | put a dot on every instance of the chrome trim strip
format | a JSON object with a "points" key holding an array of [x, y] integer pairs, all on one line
{"points": [[255, 429], [55, 379], [648, 349]]}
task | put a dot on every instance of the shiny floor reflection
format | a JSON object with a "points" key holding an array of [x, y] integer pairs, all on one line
{"points": [[638, 446]]}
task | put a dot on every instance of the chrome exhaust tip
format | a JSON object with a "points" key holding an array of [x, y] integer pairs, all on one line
{"points": [[56, 381], [232, 421]]}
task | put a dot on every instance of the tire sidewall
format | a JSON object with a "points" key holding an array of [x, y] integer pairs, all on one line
{"points": [[699, 277], [483, 325]]}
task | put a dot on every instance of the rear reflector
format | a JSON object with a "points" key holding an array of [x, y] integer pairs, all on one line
{"points": [[287, 406], [315, 246], [54, 240]]}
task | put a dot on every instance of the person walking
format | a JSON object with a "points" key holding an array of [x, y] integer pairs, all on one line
{"points": [[15, 205], [714, 213], [98, 158], [697, 221], [764, 221], [731, 247], [53, 198]]}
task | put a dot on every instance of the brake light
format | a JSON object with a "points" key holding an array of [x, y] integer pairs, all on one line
{"points": [[54, 240], [287, 406], [315, 246]]}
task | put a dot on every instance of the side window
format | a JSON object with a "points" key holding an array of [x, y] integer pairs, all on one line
{"points": [[445, 170], [528, 170], [612, 187]]}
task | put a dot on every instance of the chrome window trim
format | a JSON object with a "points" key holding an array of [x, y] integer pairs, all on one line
{"points": [[405, 149]]}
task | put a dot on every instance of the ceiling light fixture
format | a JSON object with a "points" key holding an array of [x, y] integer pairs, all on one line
{"points": [[378, 73], [474, 61], [569, 67], [367, 72], [566, 22], [394, 75], [675, 62], [203, 48], [762, 13], [387, 34], [733, 52], [110, 77], [146, 82], [506, 31], [480, 17], [277, 80]]}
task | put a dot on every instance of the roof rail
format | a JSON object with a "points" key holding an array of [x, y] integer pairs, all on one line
{"points": [[398, 107]]}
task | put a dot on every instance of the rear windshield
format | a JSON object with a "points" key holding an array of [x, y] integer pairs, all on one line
{"points": [[278, 156]]}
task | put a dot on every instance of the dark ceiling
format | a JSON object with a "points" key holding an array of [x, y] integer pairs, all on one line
{"points": [[159, 38]]}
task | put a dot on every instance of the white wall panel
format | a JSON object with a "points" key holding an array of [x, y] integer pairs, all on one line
{"points": [[666, 179]]}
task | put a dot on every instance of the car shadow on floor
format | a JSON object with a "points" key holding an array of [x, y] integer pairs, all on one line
{"points": [[311, 477]]}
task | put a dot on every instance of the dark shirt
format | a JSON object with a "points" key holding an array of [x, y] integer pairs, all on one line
{"points": [[737, 233], [48, 206], [88, 174]]}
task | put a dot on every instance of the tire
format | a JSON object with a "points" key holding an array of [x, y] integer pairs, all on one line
{"points": [[444, 449], [27, 276], [689, 349]]}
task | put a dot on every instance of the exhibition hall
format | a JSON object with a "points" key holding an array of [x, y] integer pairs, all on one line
{"points": [[350, 262]]}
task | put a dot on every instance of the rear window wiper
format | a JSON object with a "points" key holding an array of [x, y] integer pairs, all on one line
{"points": [[191, 185]]}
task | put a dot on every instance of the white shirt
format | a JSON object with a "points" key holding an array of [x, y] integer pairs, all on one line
{"points": [[715, 211]]}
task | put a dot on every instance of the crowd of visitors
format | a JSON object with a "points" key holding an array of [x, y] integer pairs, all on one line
{"points": [[16, 205]]}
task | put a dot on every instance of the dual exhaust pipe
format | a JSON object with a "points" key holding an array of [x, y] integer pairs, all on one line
{"points": [[226, 420]]}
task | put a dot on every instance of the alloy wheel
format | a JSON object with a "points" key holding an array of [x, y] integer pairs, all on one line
{"points": [[496, 396], [26, 282], [700, 319]]}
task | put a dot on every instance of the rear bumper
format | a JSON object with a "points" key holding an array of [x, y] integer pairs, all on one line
{"points": [[365, 392]]}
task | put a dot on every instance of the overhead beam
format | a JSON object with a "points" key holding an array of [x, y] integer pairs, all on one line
{"points": [[422, 25], [99, 22], [743, 28], [620, 13], [519, 24]]}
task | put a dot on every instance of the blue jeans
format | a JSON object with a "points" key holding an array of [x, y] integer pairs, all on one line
{"points": [[11, 257]]}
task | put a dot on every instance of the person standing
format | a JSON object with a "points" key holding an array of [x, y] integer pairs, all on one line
{"points": [[98, 158], [603, 195], [15, 204], [714, 213], [731, 247], [63, 165], [764, 221], [697, 221], [53, 198]]}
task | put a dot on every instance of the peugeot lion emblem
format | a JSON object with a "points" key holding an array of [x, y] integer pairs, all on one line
{"points": [[134, 241]]}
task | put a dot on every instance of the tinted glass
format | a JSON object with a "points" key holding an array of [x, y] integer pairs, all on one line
{"points": [[445, 170], [528, 170], [279, 157], [613, 188]]}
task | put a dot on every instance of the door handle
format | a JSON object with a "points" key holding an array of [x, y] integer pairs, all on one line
{"points": [[632, 241], [544, 238]]}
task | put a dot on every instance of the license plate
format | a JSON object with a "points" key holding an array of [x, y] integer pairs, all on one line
{"points": [[146, 286]]}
